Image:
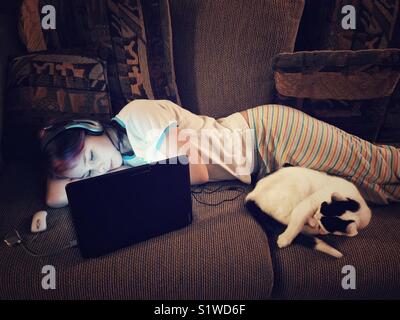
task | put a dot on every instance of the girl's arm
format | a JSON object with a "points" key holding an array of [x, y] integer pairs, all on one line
{"points": [[198, 173]]}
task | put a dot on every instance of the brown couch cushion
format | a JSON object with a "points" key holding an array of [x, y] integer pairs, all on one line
{"points": [[301, 273], [378, 27], [141, 51], [223, 254], [223, 50], [44, 86], [8, 28], [134, 37], [349, 89]]}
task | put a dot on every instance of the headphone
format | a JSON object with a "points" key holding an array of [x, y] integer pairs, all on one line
{"points": [[48, 133]]}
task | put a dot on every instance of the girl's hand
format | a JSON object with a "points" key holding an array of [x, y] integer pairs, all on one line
{"points": [[56, 196]]}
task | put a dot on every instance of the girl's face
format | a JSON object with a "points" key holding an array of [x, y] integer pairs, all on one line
{"points": [[98, 156]]}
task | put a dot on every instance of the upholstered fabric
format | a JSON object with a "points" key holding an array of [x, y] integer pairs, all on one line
{"points": [[223, 254], [347, 75], [377, 27], [349, 89], [8, 28], [141, 51], [223, 65], [301, 273], [30, 27], [223, 50], [132, 36], [390, 130], [45, 86]]}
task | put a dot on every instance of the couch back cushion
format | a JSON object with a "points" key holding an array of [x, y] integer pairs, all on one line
{"points": [[44, 86], [223, 50], [348, 89], [10, 46], [132, 36]]}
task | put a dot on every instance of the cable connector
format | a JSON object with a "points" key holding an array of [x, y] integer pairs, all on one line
{"points": [[12, 241]]}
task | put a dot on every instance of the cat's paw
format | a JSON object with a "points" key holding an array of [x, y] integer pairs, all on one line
{"points": [[312, 222], [351, 230], [283, 241]]}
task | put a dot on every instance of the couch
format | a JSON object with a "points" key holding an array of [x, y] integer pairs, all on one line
{"points": [[223, 53]]}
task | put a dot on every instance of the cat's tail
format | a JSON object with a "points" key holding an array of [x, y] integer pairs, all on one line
{"points": [[316, 244], [275, 228]]}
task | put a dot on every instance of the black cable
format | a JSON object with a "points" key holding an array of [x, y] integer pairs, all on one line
{"points": [[220, 188], [207, 190], [216, 204], [22, 242]]}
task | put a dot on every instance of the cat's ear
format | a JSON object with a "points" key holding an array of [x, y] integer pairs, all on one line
{"points": [[337, 197], [324, 207]]}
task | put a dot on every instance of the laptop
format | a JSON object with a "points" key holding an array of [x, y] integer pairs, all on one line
{"points": [[125, 207]]}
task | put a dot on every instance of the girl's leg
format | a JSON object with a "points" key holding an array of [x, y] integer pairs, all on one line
{"points": [[286, 135]]}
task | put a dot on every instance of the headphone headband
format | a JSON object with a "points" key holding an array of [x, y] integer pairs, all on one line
{"points": [[50, 132]]}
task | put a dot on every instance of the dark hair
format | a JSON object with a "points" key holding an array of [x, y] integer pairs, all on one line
{"points": [[60, 152]]}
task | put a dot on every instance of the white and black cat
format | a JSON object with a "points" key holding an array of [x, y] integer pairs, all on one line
{"points": [[303, 202]]}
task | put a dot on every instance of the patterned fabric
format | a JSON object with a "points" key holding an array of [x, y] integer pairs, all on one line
{"points": [[29, 26], [286, 135], [347, 89], [144, 65], [79, 24], [44, 86], [132, 36], [376, 27]]}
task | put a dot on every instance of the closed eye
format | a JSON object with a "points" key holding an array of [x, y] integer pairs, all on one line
{"points": [[87, 175]]}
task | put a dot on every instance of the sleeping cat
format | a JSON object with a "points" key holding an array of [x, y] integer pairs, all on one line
{"points": [[308, 202]]}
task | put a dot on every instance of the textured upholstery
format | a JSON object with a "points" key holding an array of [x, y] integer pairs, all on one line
{"points": [[43, 87], [8, 29], [349, 89], [132, 37], [301, 273], [223, 254], [218, 69], [222, 66], [378, 28]]}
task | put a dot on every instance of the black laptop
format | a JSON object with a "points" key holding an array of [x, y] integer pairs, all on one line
{"points": [[121, 208]]}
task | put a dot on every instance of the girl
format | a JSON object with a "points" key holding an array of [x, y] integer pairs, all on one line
{"points": [[254, 142]]}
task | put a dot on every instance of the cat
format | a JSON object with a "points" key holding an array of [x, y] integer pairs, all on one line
{"points": [[304, 202]]}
